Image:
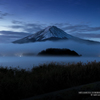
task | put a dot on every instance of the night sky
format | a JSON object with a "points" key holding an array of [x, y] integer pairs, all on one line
{"points": [[19, 18]]}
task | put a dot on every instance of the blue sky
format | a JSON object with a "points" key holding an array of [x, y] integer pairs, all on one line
{"points": [[80, 18]]}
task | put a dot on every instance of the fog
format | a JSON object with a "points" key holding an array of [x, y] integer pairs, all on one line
{"points": [[24, 55], [10, 49]]}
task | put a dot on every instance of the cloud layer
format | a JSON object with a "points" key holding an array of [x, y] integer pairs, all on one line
{"points": [[79, 30], [27, 27], [9, 36]]}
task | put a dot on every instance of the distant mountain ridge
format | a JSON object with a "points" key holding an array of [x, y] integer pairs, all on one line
{"points": [[51, 33]]}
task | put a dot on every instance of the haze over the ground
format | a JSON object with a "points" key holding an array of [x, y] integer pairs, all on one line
{"points": [[11, 49]]}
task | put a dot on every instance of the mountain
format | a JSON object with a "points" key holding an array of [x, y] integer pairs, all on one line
{"points": [[51, 33]]}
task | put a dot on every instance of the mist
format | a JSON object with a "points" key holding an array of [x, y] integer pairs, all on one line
{"points": [[10, 49]]}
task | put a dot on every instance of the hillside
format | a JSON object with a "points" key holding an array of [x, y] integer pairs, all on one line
{"points": [[58, 52]]}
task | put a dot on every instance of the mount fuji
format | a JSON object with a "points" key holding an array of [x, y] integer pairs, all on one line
{"points": [[51, 33]]}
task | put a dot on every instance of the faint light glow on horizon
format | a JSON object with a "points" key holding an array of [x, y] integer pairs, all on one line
{"points": [[2, 28], [18, 55], [1, 34], [93, 39]]}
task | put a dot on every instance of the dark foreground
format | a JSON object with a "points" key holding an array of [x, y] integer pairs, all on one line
{"points": [[82, 92], [16, 84]]}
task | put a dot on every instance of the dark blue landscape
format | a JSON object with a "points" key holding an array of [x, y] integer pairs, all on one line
{"points": [[49, 46]]}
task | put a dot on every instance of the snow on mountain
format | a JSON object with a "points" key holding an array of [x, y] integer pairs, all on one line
{"points": [[49, 33], [53, 31]]}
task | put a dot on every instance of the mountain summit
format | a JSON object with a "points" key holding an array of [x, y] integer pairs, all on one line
{"points": [[49, 33]]}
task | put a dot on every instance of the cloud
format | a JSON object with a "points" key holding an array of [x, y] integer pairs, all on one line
{"points": [[81, 28], [24, 28], [9, 36], [16, 26], [9, 33], [2, 15], [17, 22], [88, 35], [62, 24], [77, 28], [27, 27], [33, 27]]}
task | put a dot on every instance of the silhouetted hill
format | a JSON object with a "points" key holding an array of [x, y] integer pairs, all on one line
{"points": [[58, 52]]}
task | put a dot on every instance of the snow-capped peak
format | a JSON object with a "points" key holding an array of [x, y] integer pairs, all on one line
{"points": [[47, 28], [49, 33], [53, 31]]}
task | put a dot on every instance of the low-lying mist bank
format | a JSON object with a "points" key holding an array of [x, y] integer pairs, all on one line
{"points": [[31, 49], [32, 61]]}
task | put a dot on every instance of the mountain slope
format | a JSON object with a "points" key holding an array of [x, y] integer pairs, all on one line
{"points": [[51, 33]]}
